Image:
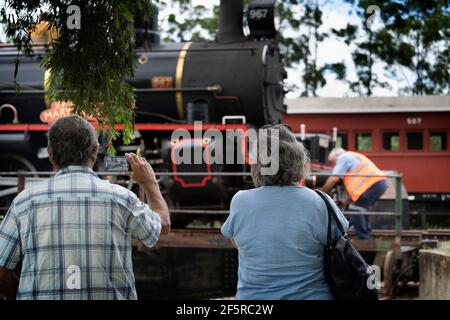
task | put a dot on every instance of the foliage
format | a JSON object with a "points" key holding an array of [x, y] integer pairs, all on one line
{"points": [[300, 50], [190, 23], [363, 54], [417, 36], [89, 66], [313, 75], [414, 37]]}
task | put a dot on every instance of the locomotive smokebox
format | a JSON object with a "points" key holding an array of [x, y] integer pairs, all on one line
{"points": [[230, 21]]}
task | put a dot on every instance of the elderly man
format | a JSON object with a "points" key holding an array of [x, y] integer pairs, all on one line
{"points": [[73, 233], [363, 191]]}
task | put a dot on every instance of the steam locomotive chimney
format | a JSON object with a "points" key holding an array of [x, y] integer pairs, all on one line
{"points": [[146, 32], [230, 21]]}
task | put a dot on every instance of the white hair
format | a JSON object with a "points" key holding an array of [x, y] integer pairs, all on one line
{"points": [[293, 159], [336, 152]]}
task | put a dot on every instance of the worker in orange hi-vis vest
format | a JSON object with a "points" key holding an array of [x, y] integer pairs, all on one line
{"points": [[364, 191]]}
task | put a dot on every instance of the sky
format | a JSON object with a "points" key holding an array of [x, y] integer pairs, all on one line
{"points": [[335, 15]]}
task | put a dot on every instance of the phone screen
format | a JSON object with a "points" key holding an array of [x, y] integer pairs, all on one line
{"points": [[116, 164]]}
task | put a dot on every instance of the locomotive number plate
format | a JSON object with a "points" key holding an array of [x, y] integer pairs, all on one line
{"points": [[162, 82]]}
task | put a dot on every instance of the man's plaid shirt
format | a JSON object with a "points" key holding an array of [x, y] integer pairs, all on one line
{"points": [[73, 234]]}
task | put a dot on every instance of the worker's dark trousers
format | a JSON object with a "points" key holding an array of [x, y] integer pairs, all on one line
{"points": [[367, 199]]}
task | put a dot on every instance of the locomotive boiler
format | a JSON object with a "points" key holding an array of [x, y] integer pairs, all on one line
{"points": [[234, 82]]}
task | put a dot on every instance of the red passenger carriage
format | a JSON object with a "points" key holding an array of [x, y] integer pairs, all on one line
{"points": [[406, 134]]}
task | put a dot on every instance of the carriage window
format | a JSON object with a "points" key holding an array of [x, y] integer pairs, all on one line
{"points": [[342, 141], [391, 141], [438, 141], [414, 140], [363, 141]]}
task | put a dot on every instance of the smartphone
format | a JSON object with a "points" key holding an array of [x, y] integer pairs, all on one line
{"points": [[116, 164]]}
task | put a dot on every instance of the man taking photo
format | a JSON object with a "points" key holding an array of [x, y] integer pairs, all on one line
{"points": [[78, 225]]}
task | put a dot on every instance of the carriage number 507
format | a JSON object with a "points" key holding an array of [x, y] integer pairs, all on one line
{"points": [[413, 121], [258, 13]]}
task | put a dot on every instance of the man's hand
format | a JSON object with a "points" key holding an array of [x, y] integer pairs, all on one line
{"points": [[142, 171], [145, 176], [346, 201], [329, 184]]}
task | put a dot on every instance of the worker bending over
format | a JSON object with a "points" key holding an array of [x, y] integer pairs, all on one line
{"points": [[364, 191]]}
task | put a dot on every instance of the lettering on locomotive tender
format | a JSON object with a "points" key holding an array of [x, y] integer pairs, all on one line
{"points": [[59, 110]]}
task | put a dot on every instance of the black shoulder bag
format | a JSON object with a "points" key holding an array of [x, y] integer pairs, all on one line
{"points": [[347, 273]]}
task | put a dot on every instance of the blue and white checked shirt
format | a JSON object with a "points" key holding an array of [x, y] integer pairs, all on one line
{"points": [[73, 234]]}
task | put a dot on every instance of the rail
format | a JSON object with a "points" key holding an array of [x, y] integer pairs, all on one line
{"points": [[234, 174], [17, 180]]}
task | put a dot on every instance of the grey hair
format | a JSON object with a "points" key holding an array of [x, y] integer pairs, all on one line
{"points": [[72, 141], [294, 163], [335, 153]]}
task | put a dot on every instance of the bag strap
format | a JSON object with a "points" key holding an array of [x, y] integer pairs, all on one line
{"points": [[331, 213]]}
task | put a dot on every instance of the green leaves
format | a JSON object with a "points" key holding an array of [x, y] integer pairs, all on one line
{"points": [[89, 66], [414, 37], [337, 68], [194, 23]]}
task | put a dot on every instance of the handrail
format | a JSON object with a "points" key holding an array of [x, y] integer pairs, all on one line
{"points": [[370, 213], [233, 174], [398, 214], [124, 173]]}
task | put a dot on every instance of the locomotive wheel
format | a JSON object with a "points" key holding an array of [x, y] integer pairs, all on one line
{"points": [[13, 163]]}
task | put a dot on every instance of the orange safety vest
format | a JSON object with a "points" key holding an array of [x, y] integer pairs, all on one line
{"points": [[356, 186]]}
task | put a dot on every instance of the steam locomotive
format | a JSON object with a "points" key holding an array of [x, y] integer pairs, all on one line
{"points": [[232, 83]]}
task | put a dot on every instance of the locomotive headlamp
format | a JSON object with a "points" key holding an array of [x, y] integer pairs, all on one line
{"points": [[142, 59], [261, 19]]}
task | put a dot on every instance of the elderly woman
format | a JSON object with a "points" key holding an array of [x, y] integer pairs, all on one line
{"points": [[280, 227]]}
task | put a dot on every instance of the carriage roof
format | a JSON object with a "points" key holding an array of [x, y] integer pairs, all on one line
{"points": [[368, 105]]}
